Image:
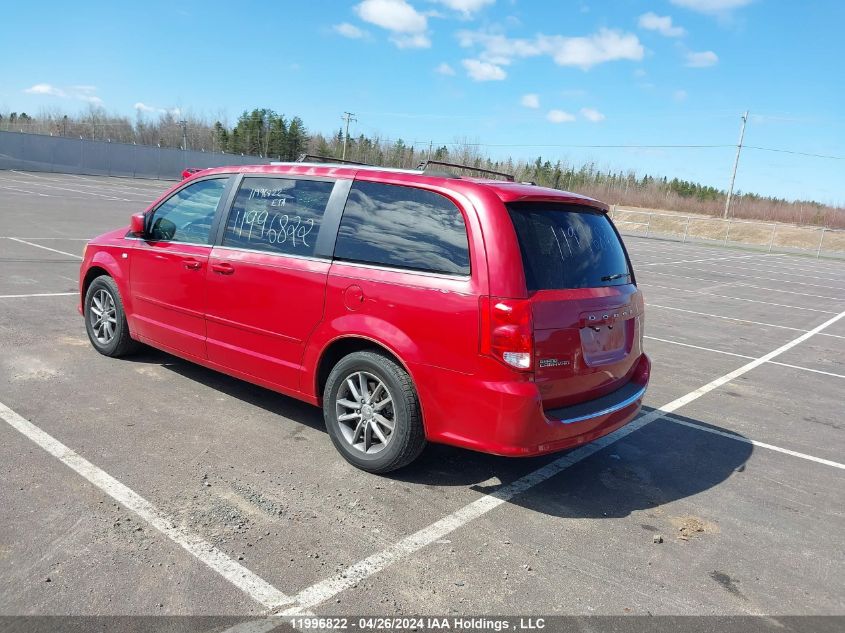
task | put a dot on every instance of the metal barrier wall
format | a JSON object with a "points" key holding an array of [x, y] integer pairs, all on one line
{"points": [[40, 152], [767, 236]]}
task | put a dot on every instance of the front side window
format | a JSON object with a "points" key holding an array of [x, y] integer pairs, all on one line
{"points": [[278, 215], [567, 246], [403, 227], [187, 215]]}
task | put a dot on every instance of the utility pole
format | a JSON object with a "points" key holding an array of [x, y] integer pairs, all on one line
{"points": [[184, 125], [736, 164], [347, 116]]}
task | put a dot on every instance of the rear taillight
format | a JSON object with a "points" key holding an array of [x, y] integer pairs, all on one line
{"points": [[507, 331]]}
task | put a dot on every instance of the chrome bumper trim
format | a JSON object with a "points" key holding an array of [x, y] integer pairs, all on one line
{"points": [[607, 410]]}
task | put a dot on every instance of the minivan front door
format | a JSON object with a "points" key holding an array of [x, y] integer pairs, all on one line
{"points": [[167, 269], [266, 281]]}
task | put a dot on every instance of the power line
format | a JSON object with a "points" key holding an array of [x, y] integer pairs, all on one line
{"points": [[789, 151]]}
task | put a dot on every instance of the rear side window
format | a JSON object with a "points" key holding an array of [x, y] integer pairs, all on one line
{"points": [[567, 246], [278, 215], [403, 227]]}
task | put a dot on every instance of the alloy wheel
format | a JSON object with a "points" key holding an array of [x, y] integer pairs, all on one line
{"points": [[365, 412], [102, 315]]}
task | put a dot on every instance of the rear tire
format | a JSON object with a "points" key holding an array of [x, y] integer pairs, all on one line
{"points": [[372, 412], [105, 319]]}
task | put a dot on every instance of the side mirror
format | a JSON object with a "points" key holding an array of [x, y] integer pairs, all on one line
{"points": [[136, 224]]}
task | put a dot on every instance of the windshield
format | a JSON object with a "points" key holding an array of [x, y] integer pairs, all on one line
{"points": [[567, 246]]}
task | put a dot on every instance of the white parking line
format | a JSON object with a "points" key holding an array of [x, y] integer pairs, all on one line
{"points": [[241, 577], [735, 274], [794, 262], [713, 294], [780, 271], [325, 589], [740, 438], [709, 259], [27, 192], [719, 351], [744, 285], [88, 193], [107, 184], [46, 248], [40, 294], [727, 318], [704, 349]]}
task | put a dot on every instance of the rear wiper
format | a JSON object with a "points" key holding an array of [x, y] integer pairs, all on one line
{"points": [[615, 276]]}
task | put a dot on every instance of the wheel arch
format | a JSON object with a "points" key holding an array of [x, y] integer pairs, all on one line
{"points": [[90, 275], [345, 345], [102, 263]]}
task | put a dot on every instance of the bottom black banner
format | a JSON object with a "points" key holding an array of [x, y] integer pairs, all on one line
{"points": [[465, 624]]}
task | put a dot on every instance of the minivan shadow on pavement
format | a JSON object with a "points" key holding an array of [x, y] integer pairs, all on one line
{"points": [[657, 464]]}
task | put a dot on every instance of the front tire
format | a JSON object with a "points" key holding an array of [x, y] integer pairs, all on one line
{"points": [[105, 319], [372, 412]]}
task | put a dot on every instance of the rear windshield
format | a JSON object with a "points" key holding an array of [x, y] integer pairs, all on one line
{"points": [[567, 246]]}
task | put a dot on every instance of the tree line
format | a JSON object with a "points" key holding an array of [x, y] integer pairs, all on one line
{"points": [[267, 134]]}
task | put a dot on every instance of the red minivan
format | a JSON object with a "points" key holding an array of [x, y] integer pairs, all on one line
{"points": [[412, 306]]}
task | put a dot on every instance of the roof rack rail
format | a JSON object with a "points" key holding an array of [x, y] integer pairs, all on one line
{"points": [[315, 158], [424, 165]]}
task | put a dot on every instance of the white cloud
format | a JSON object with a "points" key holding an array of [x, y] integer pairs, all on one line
{"points": [[484, 71], [394, 15], [559, 116], [415, 40], [712, 6], [349, 30], [662, 24], [466, 7], [45, 89], [408, 26], [582, 52], [146, 109], [592, 115], [92, 99], [530, 101], [82, 93], [679, 95], [702, 59], [604, 46], [444, 69]]}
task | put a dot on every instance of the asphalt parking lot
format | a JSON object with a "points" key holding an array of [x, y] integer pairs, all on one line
{"points": [[206, 495]]}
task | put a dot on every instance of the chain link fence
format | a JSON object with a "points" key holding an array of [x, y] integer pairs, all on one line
{"points": [[766, 236], [40, 152]]}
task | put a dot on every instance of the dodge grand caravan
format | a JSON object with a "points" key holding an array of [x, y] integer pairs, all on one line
{"points": [[412, 306]]}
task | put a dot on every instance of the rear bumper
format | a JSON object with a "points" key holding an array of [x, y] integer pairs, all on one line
{"points": [[513, 422], [611, 403]]}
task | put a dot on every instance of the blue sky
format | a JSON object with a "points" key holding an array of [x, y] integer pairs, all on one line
{"points": [[524, 77]]}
